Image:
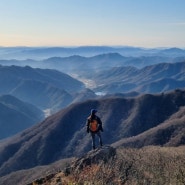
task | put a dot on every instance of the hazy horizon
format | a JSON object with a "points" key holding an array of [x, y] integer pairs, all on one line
{"points": [[74, 23], [78, 46]]}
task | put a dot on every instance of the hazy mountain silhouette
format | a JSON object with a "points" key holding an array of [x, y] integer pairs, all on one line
{"points": [[46, 52], [151, 79], [84, 65], [81, 64], [17, 115], [64, 134], [172, 52]]}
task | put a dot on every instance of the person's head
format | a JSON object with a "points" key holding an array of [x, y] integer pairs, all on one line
{"points": [[93, 111]]}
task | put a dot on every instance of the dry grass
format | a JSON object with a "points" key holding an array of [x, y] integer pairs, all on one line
{"points": [[149, 165]]}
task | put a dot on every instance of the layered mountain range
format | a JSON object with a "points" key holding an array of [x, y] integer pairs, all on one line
{"points": [[144, 120], [44, 88], [43, 52], [139, 94], [151, 79], [123, 79], [80, 64], [51, 90]]}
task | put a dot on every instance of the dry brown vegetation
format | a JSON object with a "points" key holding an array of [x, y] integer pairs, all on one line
{"points": [[130, 122], [151, 165], [148, 165]]}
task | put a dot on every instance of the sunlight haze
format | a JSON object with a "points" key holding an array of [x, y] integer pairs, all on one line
{"points": [[143, 23]]}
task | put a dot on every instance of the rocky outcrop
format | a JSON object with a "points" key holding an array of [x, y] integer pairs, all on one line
{"points": [[96, 156]]}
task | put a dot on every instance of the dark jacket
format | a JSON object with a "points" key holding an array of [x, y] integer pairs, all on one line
{"points": [[94, 117]]}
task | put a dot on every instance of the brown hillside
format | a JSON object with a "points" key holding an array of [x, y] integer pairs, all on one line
{"points": [[64, 134], [148, 165], [169, 133]]}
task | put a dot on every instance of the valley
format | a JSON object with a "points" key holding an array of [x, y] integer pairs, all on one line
{"points": [[89, 83]]}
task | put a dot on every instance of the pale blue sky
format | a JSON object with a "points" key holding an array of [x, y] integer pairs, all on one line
{"points": [[146, 23]]}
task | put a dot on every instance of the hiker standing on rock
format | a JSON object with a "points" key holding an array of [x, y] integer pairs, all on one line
{"points": [[94, 126]]}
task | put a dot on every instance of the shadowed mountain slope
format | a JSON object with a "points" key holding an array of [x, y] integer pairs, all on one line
{"points": [[44, 88], [15, 74], [64, 134], [42, 94], [169, 133], [16, 115]]}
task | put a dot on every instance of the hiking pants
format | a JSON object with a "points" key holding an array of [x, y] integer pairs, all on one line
{"points": [[93, 138]]}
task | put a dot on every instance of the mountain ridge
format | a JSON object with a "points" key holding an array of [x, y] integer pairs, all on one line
{"points": [[125, 79]]}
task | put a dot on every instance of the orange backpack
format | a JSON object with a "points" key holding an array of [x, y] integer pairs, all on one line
{"points": [[93, 125]]}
